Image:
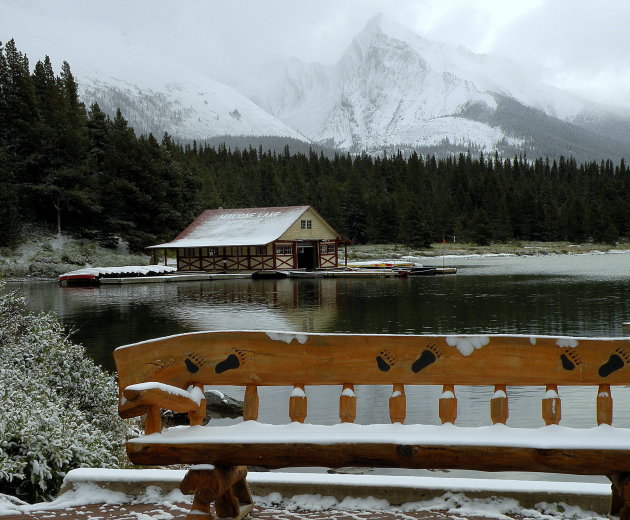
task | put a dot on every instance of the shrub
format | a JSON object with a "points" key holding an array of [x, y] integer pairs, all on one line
{"points": [[59, 408]]}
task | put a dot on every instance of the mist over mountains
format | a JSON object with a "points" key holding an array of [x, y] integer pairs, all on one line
{"points": [[391, 89]]}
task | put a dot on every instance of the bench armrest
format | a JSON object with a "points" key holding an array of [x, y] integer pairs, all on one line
{"points": [[137, 399]]}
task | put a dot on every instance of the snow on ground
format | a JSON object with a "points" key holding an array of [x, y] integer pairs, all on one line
{"points": [[85, 488], [455, 256]]}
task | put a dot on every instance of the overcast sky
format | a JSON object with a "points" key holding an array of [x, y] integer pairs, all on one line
{"points": [[581, 45]]}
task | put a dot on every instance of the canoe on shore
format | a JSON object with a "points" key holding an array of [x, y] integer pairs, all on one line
{"points": [[418, 271], [381, 264], [349, 273], [92, 275]]}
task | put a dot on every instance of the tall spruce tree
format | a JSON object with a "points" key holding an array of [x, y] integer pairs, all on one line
{"points": [[10, 225]]}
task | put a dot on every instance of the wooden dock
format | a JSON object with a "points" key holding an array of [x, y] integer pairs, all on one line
{"points": [[152, 274], [359, 273], [197, 277], [348, 273]]}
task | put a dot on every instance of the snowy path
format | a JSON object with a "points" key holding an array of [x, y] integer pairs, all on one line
{"points": [[178, 511]]}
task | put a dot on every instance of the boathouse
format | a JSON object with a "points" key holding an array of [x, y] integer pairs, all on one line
{"points": [[291, 237]]}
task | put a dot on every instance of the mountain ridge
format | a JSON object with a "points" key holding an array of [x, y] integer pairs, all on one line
{"points": [[392, 86], [193, 109]]}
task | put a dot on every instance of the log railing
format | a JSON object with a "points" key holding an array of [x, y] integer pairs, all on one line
{"points": [[551, 405]]}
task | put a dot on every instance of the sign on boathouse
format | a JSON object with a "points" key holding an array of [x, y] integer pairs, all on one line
{"points": [[290, 237]]}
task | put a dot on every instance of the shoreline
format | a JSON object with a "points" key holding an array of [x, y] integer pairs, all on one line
{"points": [[460, 250], [14, 267]]}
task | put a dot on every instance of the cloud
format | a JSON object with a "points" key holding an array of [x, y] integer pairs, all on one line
{"points": [[576, 44], [473, 24]]}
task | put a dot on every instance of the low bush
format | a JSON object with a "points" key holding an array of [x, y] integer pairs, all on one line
{"points": [[59, 409]]}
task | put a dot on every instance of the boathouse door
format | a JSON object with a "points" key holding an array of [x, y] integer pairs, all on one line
{"points": [[306, 256]]}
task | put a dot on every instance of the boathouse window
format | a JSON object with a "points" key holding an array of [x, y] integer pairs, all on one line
{"points": [[261, 250], [306, 224], [284, 250], [327, 249], [213, 251], [190, 251]]}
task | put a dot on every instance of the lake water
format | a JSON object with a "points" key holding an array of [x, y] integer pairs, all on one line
{"points": [[583, 295]]}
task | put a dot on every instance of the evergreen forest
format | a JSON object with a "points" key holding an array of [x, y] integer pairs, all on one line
{"points": [[72, 168]]}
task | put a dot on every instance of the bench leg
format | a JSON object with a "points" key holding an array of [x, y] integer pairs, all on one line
{"points": [[620, 498], [241, 489], [224, 485]]}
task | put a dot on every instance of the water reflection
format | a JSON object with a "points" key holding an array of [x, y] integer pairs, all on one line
{"points": [[537, 304], [309, 306], [105, 317], [470, 302]]}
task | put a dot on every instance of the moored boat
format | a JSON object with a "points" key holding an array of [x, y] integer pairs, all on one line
{"points": [[381, 264], [418, 271], [93, 275]]}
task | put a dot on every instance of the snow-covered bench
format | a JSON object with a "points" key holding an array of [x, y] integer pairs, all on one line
{"points": [[170, 373]]}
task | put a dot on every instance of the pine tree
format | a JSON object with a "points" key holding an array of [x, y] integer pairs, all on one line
{"points": [[609, 235], [10, 221], [414, 229], [575, 221], [98, 125], [480, 228], [354, 213], [21, 116], [63, 137]]}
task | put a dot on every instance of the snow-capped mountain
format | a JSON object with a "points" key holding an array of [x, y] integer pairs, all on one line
{"points": [[190, 108], [116, 67], [393, 88]]}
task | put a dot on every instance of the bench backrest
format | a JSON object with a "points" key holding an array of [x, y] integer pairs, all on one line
{"points": [[259, 358]]}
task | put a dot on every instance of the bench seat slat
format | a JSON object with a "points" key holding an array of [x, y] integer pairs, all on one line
{"points": [[593, 451], [418, 456]]}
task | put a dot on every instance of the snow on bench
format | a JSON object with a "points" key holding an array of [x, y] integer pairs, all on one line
{"points": [[553, 437]]}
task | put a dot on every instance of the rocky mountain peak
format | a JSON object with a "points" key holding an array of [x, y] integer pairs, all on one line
{"points": [[394, 88]]}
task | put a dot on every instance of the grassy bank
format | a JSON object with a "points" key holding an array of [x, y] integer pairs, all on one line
{"points": [[42, 255], [394, 251]]}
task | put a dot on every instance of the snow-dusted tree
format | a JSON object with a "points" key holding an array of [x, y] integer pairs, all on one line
{"points": [[58, 407]]}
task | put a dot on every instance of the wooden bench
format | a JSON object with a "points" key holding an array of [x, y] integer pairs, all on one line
{"points": [[170, 373]]}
